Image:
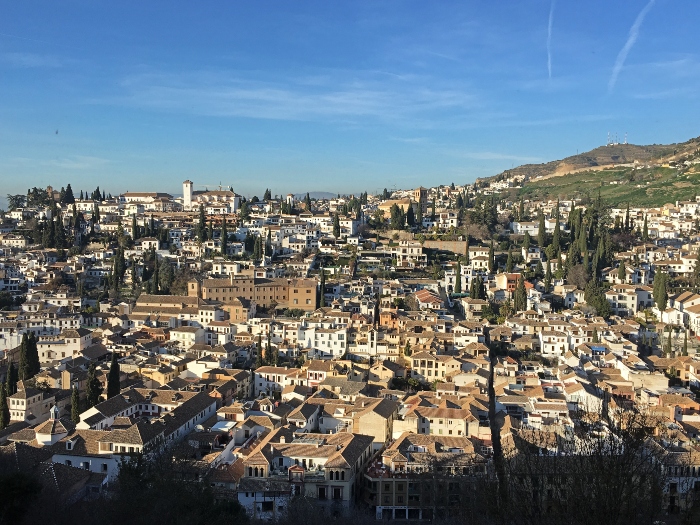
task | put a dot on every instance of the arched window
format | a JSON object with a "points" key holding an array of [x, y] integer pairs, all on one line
{"points": [[256, 472], [342, 475], [250, 471]]}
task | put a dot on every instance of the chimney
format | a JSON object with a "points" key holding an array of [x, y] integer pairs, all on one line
{"points": [[283, 439]]}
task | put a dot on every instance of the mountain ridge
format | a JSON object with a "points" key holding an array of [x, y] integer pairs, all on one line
{"points": [[600, 158]]}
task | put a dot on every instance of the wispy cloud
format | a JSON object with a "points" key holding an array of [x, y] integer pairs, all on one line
{"points": [[79, 162], [666, 94], [329, 95], [31, 60], [491, 155], [410, 140], [71, 162], [631, 39], [549, 37]]}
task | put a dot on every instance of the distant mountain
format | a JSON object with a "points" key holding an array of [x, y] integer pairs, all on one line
{"points": [[316, 195], [605, 156]]}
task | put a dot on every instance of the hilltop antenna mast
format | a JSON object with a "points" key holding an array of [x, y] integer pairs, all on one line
{"points": [[625, 138], [608, 142]]}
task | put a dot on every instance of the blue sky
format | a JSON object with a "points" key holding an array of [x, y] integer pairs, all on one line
{"points": [[330, 95]]}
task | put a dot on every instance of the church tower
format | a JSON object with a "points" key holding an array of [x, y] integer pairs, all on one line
{"points": [[187, 194]]}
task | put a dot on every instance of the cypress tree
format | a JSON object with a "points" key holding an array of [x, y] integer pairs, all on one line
{"points": [[541, 231], [492, 259], [94, 387], [75, 406], [582, 240], [268, 243], [336, 226], [113, 384], [257, 251], [322, 285], [134, 228], [645, 230], [24, 372], [4, 408], [202, 225], [548, 278], [458, 278], [556, 237], [527, 240], [520, 298], [660, 293], [259, 357], [224, 238], [509, 261], [12, 378], [621, 273]]}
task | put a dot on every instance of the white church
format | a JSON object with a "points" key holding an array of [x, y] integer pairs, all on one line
{"points": [[215, 202]]}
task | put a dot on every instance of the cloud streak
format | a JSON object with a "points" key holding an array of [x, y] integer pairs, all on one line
{"points": [[30, 60], [631, 39], [549, 37], [341, 97]]}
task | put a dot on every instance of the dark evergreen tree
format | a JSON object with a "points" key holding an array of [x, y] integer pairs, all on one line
{"points": [[28, 357], [410, 216], [509, 261], [336, 226], [520, 296], [224, 238], [113, 383], [541, 231], [244, 212], [94, 387], [75, 405], [202, 225], [259, 355], [68, 197], [12, 378], [458, 278], [4, 408], [548, 278]]}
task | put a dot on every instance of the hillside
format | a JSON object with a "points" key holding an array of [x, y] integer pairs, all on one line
{"points": [[641, 175], [653, 186], [605, 156]]}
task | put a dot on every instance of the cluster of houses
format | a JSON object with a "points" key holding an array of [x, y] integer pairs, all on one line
{"points": [[274, 382]]}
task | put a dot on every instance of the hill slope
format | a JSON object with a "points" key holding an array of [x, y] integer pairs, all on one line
{"points": [[606, 156], [641, 175]]}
